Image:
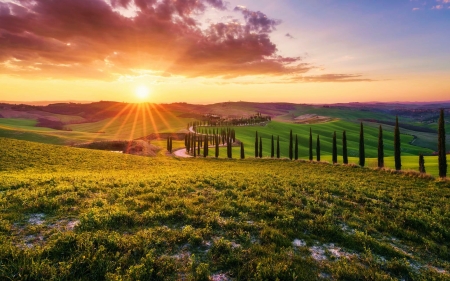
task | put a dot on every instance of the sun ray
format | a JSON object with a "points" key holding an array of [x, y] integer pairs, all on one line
{"points": [[114, 118], [144, 121], [152, 120], [162, 117], [168, 112], [125, 121], [133, 128]]}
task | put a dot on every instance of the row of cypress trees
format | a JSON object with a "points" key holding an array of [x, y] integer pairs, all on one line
{"points": [[293, 149], [228, 136]]}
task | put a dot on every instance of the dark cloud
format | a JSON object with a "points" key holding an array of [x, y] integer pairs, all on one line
{"points": [[94, 39], [257, 21], [288, 35]]}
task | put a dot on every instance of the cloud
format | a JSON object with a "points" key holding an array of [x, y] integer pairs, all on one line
{"points": [[107, 39], [437, 7], [416, 9], [331, 78], [288, 35]]}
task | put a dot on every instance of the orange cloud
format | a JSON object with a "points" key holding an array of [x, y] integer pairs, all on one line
{"points": [[69, 39]]}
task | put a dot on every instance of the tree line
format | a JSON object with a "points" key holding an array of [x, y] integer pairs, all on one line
{"points": [[194, 141]]}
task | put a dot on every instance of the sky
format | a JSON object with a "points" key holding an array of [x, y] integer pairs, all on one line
{"points": [[206, 51]]}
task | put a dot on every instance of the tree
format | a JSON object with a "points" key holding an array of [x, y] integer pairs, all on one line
{"points": [[187, 142], [380, 148], [421, 164], [362, 152], [318, 148], [334, 148], [230, 148], [278, 147], [194, 139], [310, 145], [296, 148], [217, 146], [272, 149], [168, 144], [442, 153], [397, 150], [256, 145], [260, 147], [291, 145], [205, 146], [242, 151], [344, 148]]}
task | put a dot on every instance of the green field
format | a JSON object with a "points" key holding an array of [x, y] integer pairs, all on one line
{"points": [[325, 130], [136, 125], [120, 128], [78, 214], [409, 163]]}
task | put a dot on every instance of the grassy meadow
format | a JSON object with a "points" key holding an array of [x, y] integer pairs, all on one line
{"points": [[78, 214], [130, 126], [325, 130]]}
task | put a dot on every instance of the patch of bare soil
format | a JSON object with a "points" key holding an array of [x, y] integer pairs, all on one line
{"points": [[311, 119], [136, 147]]}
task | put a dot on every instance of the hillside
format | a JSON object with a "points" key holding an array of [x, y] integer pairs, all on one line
{"points": [[106, 120], [78, 214]]}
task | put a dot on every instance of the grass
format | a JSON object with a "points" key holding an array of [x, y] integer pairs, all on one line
{"points": [[136, 126], [409, 163], [131, 126], [325, 130], [162, 218]]}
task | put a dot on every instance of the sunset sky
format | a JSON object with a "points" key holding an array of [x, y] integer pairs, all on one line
{"points": [[205, 51]]}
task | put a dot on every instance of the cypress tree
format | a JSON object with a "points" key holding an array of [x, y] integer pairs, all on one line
{"points": [[260, 147], [242, 151], [397, 151], [290, 145], [199, 145], [230, 150], [362, 152], [272, 149], [344, 148], [188, 142], [194, 148], [442, 153], [205, 147], [334, 148], [310, 145], [217, 146], [256, 145], [170, 145], [167, 145], [421, 164], [318, 148], [296, 148], [278, 147], [380, 148]]}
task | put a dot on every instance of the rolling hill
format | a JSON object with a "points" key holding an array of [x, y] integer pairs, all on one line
{"points": [[77, 214]]}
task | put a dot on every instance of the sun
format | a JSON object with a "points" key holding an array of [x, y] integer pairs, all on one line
{"points": [[142, 92]]}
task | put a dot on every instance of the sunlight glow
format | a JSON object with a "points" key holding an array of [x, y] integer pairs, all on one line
{"points": [[142, 92]]}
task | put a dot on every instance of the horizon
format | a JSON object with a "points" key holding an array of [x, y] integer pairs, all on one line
{"points": [[207, 51], [45, 103]]}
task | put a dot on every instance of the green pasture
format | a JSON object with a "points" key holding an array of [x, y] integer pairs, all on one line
{"points": [[79, 214], [135, 125], [325, 130]]}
